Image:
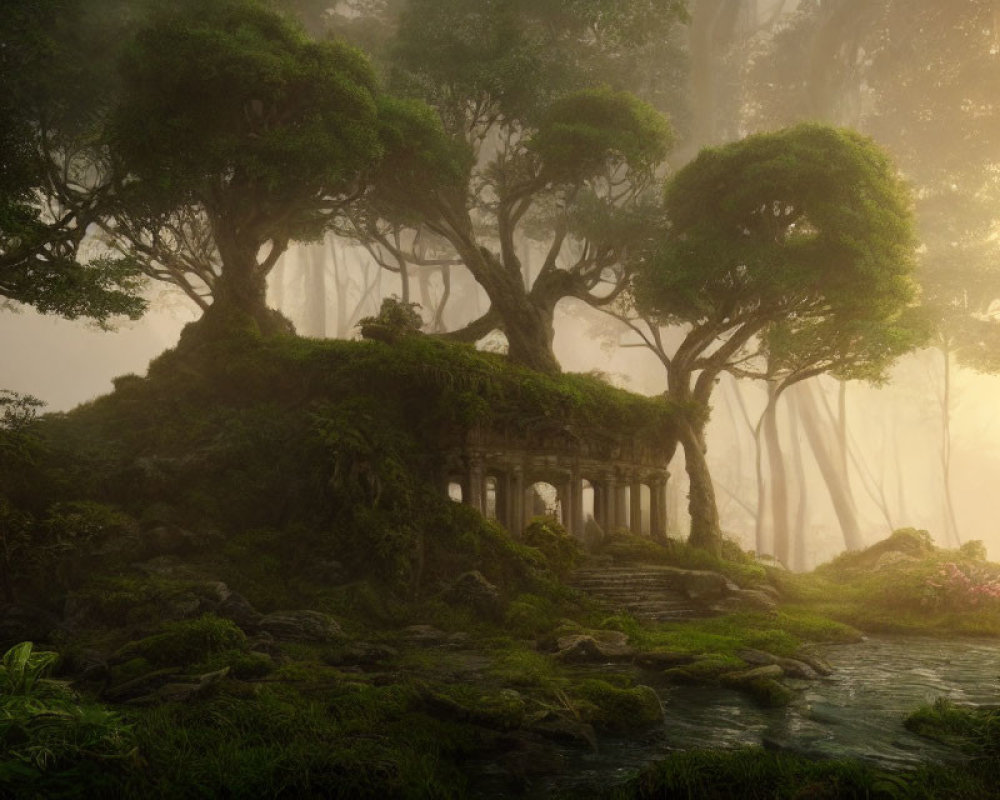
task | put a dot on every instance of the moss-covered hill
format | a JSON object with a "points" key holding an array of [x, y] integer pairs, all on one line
{"points": [[331, 449], [243, 571]]}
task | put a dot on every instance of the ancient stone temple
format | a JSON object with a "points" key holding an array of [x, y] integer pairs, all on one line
{"points": [[497, 472]]}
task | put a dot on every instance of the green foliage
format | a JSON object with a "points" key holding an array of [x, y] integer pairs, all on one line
{"points": [[809, 220], [616, 708], [51, 743], [975, 731], [706, 669], [419, 159], [593, 130], [973, 550], [735, 564], [559, 548], [276, 741], [530, 615], [524, 668], [395, 319], [753, 774], [241, 664], [188, 642], [905, 584], [279, 119], [56, 59], [23, 671]]}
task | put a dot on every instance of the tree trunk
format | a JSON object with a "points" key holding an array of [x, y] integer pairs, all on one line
{"points": [[829, 467], [951, 525], [800, 538], [706, 533], [530, 333], [240, 292], [314, 286], [778, 479]]}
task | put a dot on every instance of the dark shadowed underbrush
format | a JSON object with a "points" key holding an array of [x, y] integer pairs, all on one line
{"points": [[754, 774]]}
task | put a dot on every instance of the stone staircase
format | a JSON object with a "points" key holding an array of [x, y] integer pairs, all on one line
{"points": [[648, 591]]}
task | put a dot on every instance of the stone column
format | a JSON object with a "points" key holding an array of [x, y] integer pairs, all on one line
{"points": [[564, 498], [500, 495], [658, 508], [635, 506], [515, 501], [617, 494], [477, 484], [601, 503], [576, 508]]}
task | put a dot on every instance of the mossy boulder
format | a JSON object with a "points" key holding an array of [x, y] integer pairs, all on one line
{"points": [[616, 708], [186, 642], [300, 626], [548, 536]]}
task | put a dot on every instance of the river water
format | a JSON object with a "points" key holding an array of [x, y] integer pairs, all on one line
{"points": [[857, 712]]}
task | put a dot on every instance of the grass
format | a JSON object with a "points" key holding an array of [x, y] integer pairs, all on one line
{"points": [[975, 731], [781, 633], [754, 774]]}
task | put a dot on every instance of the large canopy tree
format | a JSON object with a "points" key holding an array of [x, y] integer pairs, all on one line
{"points": [[238, 134], [790, 251], [546, 155], [54, 181]]}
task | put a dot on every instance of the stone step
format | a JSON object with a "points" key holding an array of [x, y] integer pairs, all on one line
{"points": [[645, 591]]}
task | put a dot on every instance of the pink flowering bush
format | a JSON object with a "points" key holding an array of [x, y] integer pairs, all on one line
{"points": [[962, 586]]}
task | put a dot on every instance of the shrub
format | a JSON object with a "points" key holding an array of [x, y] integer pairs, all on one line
{"points": [[617, 708], [558, 547], [51, 744], [188, 642]]}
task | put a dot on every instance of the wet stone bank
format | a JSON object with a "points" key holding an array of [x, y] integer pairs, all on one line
{"points": [[857, 712]]}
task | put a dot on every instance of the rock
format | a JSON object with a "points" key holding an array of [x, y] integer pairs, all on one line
{"points": [[471, 589], [563, 729], [425, 635], [238, 609], [87, 665], [589, 649], [163, 686], [187, 689], [26, 623], [754, 599], [264, 643], [168, 566], [325, 571], [893, 558], [363, 654], [758, 657], [300, 626], [659, 660], [818, 664], [793, 668], [762, 684], [767, 671], [171, 540], [143, 686], [705, 587], [531, 759], [768, 589], [745, 600]]}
